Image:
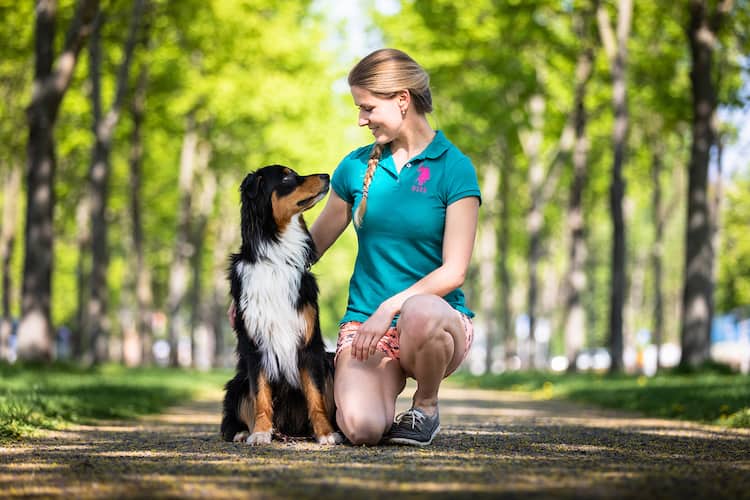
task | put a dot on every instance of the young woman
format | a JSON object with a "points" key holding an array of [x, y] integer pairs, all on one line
{"points": [[414, 199]]}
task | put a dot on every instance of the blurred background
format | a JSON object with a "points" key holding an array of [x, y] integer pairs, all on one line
{"points": [[598, 129]]}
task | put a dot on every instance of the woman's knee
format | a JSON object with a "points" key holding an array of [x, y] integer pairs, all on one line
{"points": [[419, 318], [361, 428], [423, 320]]}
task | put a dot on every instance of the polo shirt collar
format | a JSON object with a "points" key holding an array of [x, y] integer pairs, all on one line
{"points": [[434, 149]]}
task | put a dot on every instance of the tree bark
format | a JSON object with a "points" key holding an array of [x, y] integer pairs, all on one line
{"points": [[507, 336], [657, 252], [83, 240], [143, 292], [487, 254], [200, 328], [534, 222], [616, 48], [575, 280], [97, 324], [697, 297], [226, 236], [35, 333], [11, 190], [179, 274]]}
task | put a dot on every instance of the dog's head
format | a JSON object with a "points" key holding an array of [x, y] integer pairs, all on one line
{"points": [[273, 195]]}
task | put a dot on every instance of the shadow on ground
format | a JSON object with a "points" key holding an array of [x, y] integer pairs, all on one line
{"points": [[493, 444]]}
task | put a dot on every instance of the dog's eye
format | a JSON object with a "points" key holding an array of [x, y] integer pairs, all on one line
{"points": [[287, 179]]}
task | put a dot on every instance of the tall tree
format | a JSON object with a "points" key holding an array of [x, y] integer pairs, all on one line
{"points": [[487, 254], [615, 45], [575, 280], [11, 190], [143, 293], [697, 298], [200, 329], [179, 273], [50, 85], [99, 174], [657, 251]]}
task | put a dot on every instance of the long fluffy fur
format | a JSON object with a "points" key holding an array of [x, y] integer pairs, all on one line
{"points": [[279, 344]]}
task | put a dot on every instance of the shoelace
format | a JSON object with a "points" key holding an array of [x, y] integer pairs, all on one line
{"points": [[411, 417]]}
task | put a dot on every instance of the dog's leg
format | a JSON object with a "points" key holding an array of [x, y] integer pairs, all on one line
{"points": [[317, 411], [263, 414], [247, 416]]}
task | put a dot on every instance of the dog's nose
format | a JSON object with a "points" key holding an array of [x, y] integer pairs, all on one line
{"points": [[325, 177]]}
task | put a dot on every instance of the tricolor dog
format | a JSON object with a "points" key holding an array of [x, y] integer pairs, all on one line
{"points": [[284, 379]]}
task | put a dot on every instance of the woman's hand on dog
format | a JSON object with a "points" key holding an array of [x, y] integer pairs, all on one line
{"points": [[231, 312], [370, 332]]}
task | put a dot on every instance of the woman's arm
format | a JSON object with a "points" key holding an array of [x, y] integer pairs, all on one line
{"points": [[330, 223], [458, 243]]}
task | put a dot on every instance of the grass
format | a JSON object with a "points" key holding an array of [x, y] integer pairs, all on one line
{"points": [[34, 397], [710, 396]]}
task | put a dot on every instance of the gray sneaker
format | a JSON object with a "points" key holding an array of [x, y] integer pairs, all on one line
{"points": [[414, 428]]}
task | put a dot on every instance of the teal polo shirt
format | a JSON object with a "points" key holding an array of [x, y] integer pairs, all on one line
{"points": [[401, 235]]}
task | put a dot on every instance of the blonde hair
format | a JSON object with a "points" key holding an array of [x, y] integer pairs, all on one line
{"points": [[384, 73]]}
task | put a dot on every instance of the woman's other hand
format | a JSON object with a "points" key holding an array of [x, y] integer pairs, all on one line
{"points": [[371, 331]]}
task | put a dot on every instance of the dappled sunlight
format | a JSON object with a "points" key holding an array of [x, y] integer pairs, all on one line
{"points": [[492, 443]]}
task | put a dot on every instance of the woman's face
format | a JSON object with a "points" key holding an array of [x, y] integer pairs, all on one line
{"points": [[381, 115]]}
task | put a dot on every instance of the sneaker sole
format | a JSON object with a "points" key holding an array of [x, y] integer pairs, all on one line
{"points": [[413, 442]]}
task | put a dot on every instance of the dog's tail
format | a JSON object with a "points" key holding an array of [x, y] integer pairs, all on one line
{"points": [[236, 389]]}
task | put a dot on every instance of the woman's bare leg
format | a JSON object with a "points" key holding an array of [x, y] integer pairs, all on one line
{"points": [[432, 345], [365, 393]]}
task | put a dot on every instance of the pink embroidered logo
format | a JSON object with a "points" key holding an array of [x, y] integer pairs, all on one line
{"points": [[424, 176]]}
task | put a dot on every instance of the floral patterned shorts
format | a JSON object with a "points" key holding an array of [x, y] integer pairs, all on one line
{"points": [[389, 344]]}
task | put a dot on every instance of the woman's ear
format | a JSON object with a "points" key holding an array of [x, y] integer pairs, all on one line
{"points": [[403, 98]]}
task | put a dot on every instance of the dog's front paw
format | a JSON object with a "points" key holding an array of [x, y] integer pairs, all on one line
{"points": [[331, 439], [259, 438], [240, 437]]}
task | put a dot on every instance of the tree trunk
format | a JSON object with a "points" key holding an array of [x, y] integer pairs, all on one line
{"points": [[534, 221], [575, 280], [616, 47], [11, 190], [35, 330], [97, 324], [657, 252], [225, 237], [83, 239], [179, 274], [487, 254], [143, 293], [507, 336], [697, 297], [200, 328]]}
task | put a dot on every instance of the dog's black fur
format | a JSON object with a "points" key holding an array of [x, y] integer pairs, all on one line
{"points": [[284, 379]]}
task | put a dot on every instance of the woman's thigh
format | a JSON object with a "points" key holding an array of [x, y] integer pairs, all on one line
{"points": [[366, 392]]}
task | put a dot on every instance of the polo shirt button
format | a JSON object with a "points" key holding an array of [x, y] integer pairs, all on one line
{"points": [[408, 165]]}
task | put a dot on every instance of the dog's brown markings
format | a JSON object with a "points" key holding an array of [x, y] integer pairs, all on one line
{"points": [[263, 406], [284, 208], [328, 400], [309, 315], [245, 411], [316, 406]]}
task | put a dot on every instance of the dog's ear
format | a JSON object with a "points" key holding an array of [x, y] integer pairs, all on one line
{"points": [[251, 185]]}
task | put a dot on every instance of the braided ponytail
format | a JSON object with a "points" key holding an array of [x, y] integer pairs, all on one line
{"points": [[372, 163]]}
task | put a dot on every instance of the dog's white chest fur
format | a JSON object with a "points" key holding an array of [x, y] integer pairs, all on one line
{"points": [[270, 288]]}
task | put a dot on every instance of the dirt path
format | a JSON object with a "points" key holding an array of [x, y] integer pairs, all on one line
{"points": [[493, 444]]}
